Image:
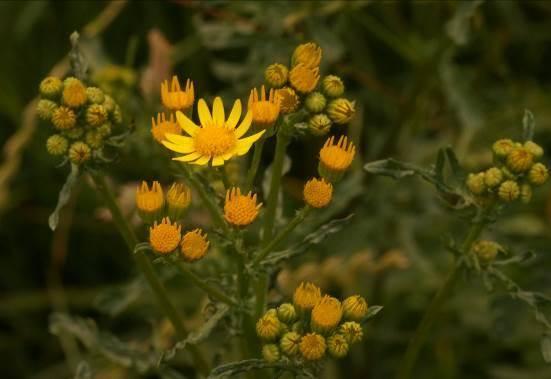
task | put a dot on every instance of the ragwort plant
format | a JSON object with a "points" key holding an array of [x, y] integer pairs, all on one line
{"points": [[294, 102]]}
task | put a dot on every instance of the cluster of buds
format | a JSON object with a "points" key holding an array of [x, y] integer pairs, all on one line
{"points": [[312, 327], [301, 85], [166, 238], [517, 169], [486, 251], [83, 117]]}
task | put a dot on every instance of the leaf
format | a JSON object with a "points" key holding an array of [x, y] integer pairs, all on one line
{"points": [[372, 312], [546, 348], [313, 238], [198, 335], [521, 258], [439, 167], [234, 368], [83, 371], [457, 170], [114, 301], [528, 125], [79, 66], [169, 373], [64, 196]]}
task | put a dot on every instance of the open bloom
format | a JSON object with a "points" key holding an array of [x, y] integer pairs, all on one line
{"points": [[265, 109], [176, 98], [217, 139], [240, 210], [163, 126]]}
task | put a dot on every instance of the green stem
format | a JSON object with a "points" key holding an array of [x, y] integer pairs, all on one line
{"points": [[255, 164], [224, 177], [146, 268], [213, 292], [421, 333]]}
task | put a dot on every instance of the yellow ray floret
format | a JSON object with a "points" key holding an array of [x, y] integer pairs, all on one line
{"points": [[163, 126], [176, 98], [216, 139], [240, 210], [265, 109], [339, 156]]}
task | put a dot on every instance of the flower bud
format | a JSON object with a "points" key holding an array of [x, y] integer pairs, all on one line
{"points": [[63, 118], [178, 199], [476, 183], [326, 314], [354, 308], [315, 102], [268, 327], [105, 130], [271, 353], [352, 331], [79, 153], [332, 86], [298, 327], [150, 201], [74, 133], [509, 191], [520, 160], [95, 95], [308, 54], [525, 193], [318, 193], [194, 245], [341, 110], [74, 93], [486, 251], [56, 145], [304, 79], [337, 346], [493, 177], [319, 124], [306, 296], [116, 116], [287, 313], [538, 174], [165, 237], [535, 149], [288, 100], [109, 104], [94, 139], [289, 343], [51, 87], [502, 147], [276, 75], [312, 346], [45, 109]]}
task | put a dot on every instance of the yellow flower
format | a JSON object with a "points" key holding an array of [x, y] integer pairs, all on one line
{"points": [[175, 98], [63, 118], [308, 54], [268, 327], [163, 126], [217, 139], [326, 314], [271, 353], [289, 343], [354, 308], [520, 159], [79, 152], [194, 245], [74, 93], [96, 115], [335, 159], [318, 193], [164, 237], [304, 79], [289, 100], [312, 346], [509, 191], [265, 110], [56, 144], [538, 174], [240, 210], [306, 296], [276, 75], [341, 110], [352, 331], [50, 87], [150, 201], [503, 147], [332, 86], [337, 345], [178, 198]]}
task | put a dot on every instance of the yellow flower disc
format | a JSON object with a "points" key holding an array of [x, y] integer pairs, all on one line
{"points": [[176, 98], [265, 109], [318, 193], [326, 314], [74, 93], [163, 126], [312, 346], [503, 147], [240, 210], [306, 296], [354, 308], [304, 79], [164, 237], [194, 245]]}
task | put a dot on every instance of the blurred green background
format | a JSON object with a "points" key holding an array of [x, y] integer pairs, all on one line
{"points": [[425, 74]]}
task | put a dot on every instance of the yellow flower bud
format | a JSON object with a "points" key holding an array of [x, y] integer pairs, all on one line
{"points": [[306, 296], [318, 193], [341, 110], [164, 125], [287, 313], [95, 95], [493, 177], [352, 331], [307, 54], [56, 145], [63, 118], [503, 147], [94, 139], [45, 109], [268, 327], [304, 79], [74, 93], [538, 174], [535, 149], [51, 87], [354, 308], [240, 210], [335, 159], [105, 130], [276, 75], [326, 314], [150, 201], [509, 191], [486, 251], [289, 343], [271, 353], [332, 86], [312, 346], [176, 98], [178, 199], [79, 153], [337, 346], [476, 183], [520, 160], [109, 104], [288, 100], [165, 237], [319, 124], [315, 102], [194, 245], [264, 109], [525, 193]]}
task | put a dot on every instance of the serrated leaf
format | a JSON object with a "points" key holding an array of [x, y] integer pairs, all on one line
{"points": [[234, 368], [546, 348], [528, 125], [64, 196], [83, 371]]}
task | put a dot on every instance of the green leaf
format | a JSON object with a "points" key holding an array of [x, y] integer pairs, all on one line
{"points": [[372, 312], [234, 368], [114, 301], [64, 196], [521, 258], [439, 167], [546, 348], [83, 371], [528, 125]]}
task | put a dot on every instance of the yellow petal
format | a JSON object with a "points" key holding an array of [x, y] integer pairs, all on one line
{"points": [[235, 113], [245, 125], [187, 158], [178, 148], [203, 160], [243, 145], [186, 124], [178, 139], [218, 161], [204, 113], [218, 112]]}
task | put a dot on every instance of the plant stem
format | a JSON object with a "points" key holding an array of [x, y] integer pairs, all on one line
{"points": [[421, 333], [213, 292], [257, 155], [146, 268]]}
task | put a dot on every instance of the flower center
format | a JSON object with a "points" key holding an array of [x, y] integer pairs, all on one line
{"points": [[214, 140]]}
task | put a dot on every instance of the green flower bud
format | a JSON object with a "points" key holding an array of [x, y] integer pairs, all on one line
{"points": [[105, 130], [79, 153], [337, 346], [298, 327], [315, 102], [493, 177], [45, 109], [520, 160], [74, 133], [538, 174], [117, 115], [287, 313], [486, 251], [502, 147], [271, 353], [341, 110], [109, 104], [268, 327], [352, 331], [51, 87], [354, 308], [96, 115], [95, 95], [276, 75], [509, 191], [56, 145], [332, 86], [289, 343], [94, 139], [525, 193], [535, 149], [476, 183], [319, 124]]}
